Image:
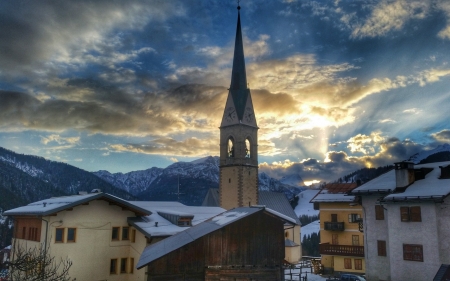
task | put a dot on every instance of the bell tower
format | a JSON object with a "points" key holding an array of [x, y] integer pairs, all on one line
{"points": [[238, 183]]}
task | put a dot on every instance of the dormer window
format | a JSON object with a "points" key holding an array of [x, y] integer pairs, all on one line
{"points": [[179, 219], [247, 148], [230, 147]]}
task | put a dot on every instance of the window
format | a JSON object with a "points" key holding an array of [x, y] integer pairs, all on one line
{"points": [[230, 147], [247, 148], [354, 218], [286, 234], [131, 265], [379, 212], [24, 232], [115, 233], [381, 244], [410, 214], [59, 235], [71, 233], [334, 239], [358, 264], [123, 265], [412, 252], [184, 222], [133, 235], [125, 233], [113, 266], [355, 240], [333, 217], [347, 263]]}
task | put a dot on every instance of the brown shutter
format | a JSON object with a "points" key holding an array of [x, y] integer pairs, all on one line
{"points": [[404, 213], [379, 212], [415, 213], [381, 248]]}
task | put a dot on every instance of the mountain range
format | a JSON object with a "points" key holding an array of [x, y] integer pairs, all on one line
{"points": [[188, 182]]}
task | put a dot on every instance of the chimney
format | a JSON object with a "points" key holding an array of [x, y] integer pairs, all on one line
{"points": [[445, 172], [404, 174]]}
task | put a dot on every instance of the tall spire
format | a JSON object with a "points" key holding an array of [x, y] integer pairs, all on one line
{"points": [[238, 75], [238, 87]]}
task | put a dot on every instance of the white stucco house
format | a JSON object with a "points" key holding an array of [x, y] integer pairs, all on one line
{"points": [[406, 222], [103, 235]]}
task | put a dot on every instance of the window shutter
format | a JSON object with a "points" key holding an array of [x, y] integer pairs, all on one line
{"points": [[381, 248], [379, 212], [415, 214], [404, 213]]}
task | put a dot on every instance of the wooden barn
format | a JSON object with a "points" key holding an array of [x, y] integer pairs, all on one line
{"points": [[244, 243]]}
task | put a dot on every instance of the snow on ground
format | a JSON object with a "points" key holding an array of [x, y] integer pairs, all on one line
{"points": [[304, 207], [310, 228]]}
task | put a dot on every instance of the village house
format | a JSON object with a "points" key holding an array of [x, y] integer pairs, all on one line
{"points": [[244, 243], [103, 235], [406, 222], [341, 237]]}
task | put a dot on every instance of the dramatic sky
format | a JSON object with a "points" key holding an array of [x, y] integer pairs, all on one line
{"points": [[128, 85]]}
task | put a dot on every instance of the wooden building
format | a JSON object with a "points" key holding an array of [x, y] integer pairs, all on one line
{"points": [[245, 243]]}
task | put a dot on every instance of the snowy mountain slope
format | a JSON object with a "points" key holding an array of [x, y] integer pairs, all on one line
{"points": [[293, 180], [304, 207], [194, 178], [416, 158]]}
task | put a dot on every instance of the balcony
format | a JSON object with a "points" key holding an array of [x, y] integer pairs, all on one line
{"points": [[341, 250], [336, 226]]}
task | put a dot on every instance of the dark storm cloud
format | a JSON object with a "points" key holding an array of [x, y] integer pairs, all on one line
{"points": [[35, 31]]}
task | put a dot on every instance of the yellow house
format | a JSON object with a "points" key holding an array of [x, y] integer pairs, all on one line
{"points": [[103, 235], [341, 237]]}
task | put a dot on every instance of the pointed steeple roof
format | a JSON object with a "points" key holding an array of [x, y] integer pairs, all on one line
{"points": [[238, 87], [239, 106], [238, 76]]}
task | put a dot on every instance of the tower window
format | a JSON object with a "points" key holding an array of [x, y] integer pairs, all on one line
{"points": [[230, 147], [247, 148]]}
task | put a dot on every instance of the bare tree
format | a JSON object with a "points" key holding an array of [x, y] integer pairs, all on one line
{"points": [[35, 264]]}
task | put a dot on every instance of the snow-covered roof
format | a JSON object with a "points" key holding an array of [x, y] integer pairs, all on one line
{"points": [[290, 243], [147, 225], [56, 204], [332, 197], [189, 235], [336, 192], [381, 184], [431, 187]]}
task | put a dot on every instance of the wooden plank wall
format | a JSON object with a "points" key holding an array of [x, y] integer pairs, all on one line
{"points": [[252, 246]]}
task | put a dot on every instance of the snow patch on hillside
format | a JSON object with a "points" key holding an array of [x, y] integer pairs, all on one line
{"points": [[304, 207]]}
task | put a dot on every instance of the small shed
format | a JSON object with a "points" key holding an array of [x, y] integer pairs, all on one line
{"points": [[244, 243]]}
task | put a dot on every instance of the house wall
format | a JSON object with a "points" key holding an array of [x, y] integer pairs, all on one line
{"points": [[93, 249], [242, 249], [339, 264], [422, 233], [377, 267], [443, 222], [342, 210], [293, 254]]}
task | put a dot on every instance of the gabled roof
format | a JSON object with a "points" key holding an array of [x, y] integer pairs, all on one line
{"points": [[57, 204], [147, 225], [431, 187], [273, 200], [335, 192], [290, 243], [172, 243], [278, 202]]}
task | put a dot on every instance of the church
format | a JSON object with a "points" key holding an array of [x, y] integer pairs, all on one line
{"points": [[238, 178]]}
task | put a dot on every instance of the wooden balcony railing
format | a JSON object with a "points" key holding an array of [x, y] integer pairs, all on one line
{"points": [[341, 250], [338, 226]]}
